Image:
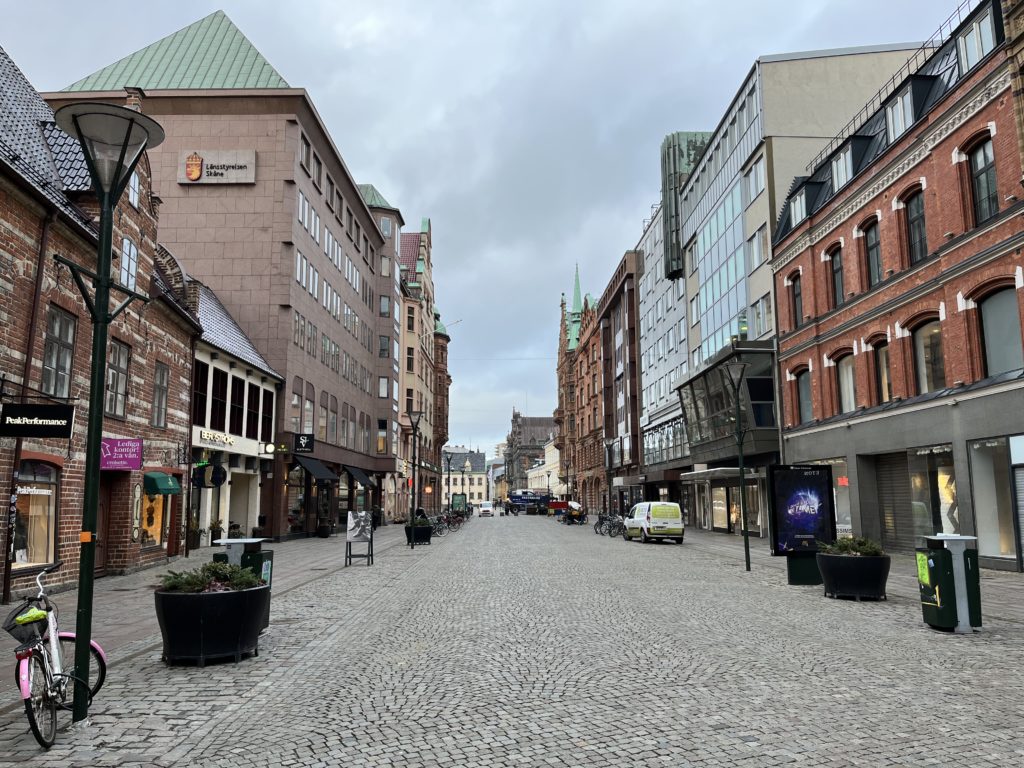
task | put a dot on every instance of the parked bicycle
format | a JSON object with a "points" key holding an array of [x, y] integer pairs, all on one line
{"points": [[45, 673]]}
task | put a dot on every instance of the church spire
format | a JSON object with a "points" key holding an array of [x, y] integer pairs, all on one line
{"points": [[577, 303]]}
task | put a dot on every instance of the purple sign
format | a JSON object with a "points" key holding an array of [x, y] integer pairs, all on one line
{"points": [[121, 453]]}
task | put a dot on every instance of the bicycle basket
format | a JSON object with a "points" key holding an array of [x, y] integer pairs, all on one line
{"points": [[23, 633]]}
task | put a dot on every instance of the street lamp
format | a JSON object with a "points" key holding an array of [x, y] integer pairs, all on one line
{"points": [[549, 484], [736, 369], [113, 139], [448, 461], [414, 419], [466, 467]]}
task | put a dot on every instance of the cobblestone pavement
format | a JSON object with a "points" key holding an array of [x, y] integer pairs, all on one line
{"points": [[522, 642]]}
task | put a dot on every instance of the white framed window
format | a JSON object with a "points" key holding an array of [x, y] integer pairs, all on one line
{"points": [[385, 226], [303, 209], [755, 179], [300, 269], [133, 189], [842, 169], [899, 115], [129, 264], [797, 208], [975, 42]]}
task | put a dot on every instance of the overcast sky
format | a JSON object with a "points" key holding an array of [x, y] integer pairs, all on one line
{"points": [[527, 130]]}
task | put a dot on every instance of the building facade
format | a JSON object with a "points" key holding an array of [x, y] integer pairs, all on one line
{"points": [[543, 475], [525, 445], [465, 471], [900, 333]]}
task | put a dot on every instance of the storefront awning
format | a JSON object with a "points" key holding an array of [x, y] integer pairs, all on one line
{"points": [[360, 477], [316, 468], [160, 484], [721, 472]]}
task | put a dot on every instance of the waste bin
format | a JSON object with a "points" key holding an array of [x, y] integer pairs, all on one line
{"points": [[250, 555], [947, 575]]}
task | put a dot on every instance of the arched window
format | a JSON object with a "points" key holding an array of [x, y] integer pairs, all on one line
{"points": [[845, 384], [917, 239], [928, 361], [803, 396], [883, 378], [983, 182], [797, 301], [836, 258], [1000, 332], [873, 254]]}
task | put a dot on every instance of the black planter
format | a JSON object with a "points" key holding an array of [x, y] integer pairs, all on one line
{"points": [[854, 576], [422, 533], [323, 530], [197, 626]]}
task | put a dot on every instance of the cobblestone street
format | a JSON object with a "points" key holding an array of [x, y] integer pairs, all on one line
{"points": [[522, 642]]}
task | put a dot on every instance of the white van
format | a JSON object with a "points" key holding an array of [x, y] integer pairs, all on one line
{"points": [[651, 520], [485, 509]]}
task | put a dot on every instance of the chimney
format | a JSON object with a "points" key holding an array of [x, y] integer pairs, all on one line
{"points": [[134, 97]]}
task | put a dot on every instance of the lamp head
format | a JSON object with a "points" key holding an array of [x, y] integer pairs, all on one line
{"points": [[414, 419], [112, 139], [735, 369]]}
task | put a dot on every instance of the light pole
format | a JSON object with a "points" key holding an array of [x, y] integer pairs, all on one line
{"points": [[414, 419], [736, 369], [465, 466], [549, 484], [448, 461], [113, 139]]}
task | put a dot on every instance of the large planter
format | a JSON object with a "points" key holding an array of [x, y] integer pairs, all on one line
{"points": [[422, 533], [323, 530], [197, 626], [854, 576]]}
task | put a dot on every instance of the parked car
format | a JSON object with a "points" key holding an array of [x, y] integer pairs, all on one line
{"points": [[486, 509], [651, 520]]}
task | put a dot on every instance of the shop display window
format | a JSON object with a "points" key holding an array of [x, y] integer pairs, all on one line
{"points": [[35, 518], [993, 497], [153, 521], [933, 501]]}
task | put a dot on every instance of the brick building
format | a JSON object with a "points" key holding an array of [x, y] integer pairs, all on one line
{"points": [[47, 208], [898, 270]]}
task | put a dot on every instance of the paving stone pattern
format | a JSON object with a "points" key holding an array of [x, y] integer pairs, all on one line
{"points": [[522, 642]]}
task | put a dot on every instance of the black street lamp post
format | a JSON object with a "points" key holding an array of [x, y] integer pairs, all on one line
{"points": [[113, 139], [549, 484], [414, 419], [448, 461], [736, 369]]}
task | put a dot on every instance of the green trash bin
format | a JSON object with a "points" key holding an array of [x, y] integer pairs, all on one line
{"points": [[949, 600]]}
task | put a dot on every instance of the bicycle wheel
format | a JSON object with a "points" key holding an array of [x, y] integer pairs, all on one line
{"points": [[40, 707], [97, 668], [440, 529]]}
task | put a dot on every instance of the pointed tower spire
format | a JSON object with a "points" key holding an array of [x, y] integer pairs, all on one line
{"points": [[577, 302]]}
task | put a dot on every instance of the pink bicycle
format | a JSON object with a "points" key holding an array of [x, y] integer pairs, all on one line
{"points": [[45, 674]]}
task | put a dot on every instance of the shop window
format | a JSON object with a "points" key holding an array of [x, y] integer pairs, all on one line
{"points": [[917, 239], [873, 254], [1000, 332], [883, 377], [983, 182], [117, 379], [200, 385], [161, 384], [237, 406], [35, 515], [846, 384], [154, 509], [841, 494], [991, 482], [58, 352], [267, 417], [928, 360], [933, 503], [252, 412], [219, 400]]}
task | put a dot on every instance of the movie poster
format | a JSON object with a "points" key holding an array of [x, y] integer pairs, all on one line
{"points": [[802, 507], [360, 526]]}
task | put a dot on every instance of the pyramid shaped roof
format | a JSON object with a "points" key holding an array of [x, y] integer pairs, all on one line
{"points": [[211, 53]]}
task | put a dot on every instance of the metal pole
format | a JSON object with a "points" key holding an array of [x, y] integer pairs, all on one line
{"points": [[743, 489], [412, 495], [94, 436]]}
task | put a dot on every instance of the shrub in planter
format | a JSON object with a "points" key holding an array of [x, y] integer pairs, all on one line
{"points": [[214, 611], [857, 568], [419, 530]]}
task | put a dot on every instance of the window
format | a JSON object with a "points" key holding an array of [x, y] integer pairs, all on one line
{"points": [[975, 42], [307, 411], [837, 277], [58, 352], [385, 306], [385, 226], [329, 195], [983, 182], [410, 359], [296, 406], [992, 481], [300, 269], [842, 169], [219, 401], [755, 179], [383, 346], [332, 421], [797, 209], [916, 236], [928, 362], [133, 189], [129, 264], [883, 379], [304, 152], [757, 248], [317, 171], [845, 384], [267, 417], [410, 319], [803, 396], [252, 412], [161, 383], [1000, 332], [200, 386], [117, 379], [385, 266], [321, 433], [382, 435], [35, 515], [873, 254], [237, 406], [796, 294], [900, 114], [382, 386]]}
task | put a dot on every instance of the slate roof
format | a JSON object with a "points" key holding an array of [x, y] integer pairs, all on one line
{"points": [[477, 459], [220, 330], [26, 149], [160, 288], [210, 53], [68, 157]]}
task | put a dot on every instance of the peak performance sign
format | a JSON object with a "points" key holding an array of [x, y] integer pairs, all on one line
{"points": [[37, 420]]}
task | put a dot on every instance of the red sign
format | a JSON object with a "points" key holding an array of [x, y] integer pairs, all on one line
{"points": [[844, 481], [121, 453]]}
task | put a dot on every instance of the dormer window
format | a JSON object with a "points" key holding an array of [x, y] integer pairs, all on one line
{"points": [[899, 115], [842, 169], [975, 42], [797, 208]]}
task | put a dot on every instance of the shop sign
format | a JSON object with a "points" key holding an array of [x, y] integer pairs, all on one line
{"points": [[121, 453], [24, 490], [37, 420], [304, 443], [216, 437], [209, 166], [802, 507]]}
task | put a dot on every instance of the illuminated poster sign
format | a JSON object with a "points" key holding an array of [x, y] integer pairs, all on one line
{"points": [[802, 507]]}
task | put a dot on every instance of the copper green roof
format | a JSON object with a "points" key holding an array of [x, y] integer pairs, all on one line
{"points": [[577, 305], [211, 53], [373, 198]]}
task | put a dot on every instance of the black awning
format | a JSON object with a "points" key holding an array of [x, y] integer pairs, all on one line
{"points": [[316, 468], [360, 477]]}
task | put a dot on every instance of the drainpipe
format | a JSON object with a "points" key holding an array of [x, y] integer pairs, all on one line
{"points": [[44, 241], [776, 378]]}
